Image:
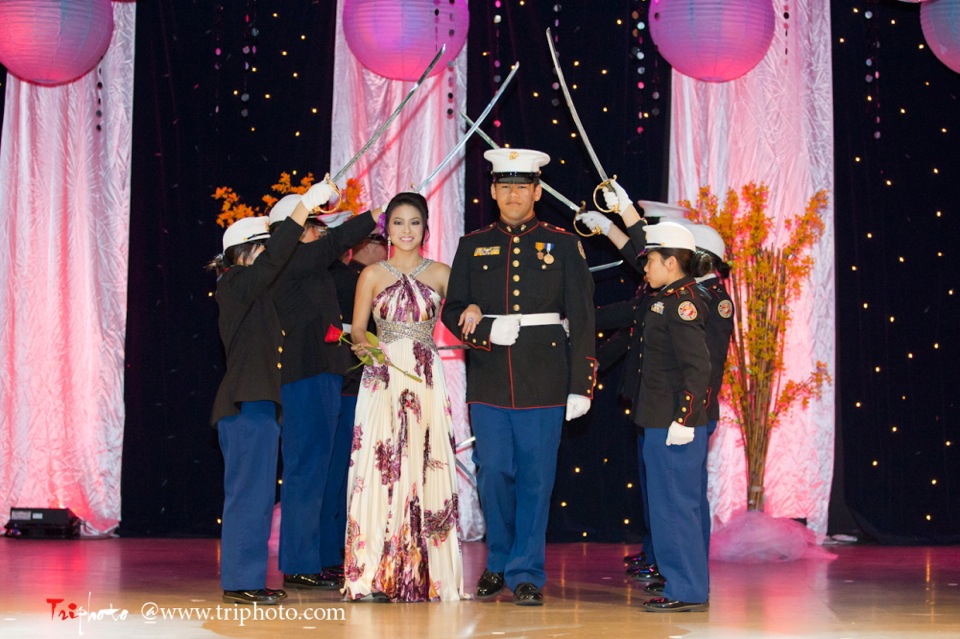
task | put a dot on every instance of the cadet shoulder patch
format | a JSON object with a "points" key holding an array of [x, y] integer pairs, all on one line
{"points": [[725, 309], [687, 311]]}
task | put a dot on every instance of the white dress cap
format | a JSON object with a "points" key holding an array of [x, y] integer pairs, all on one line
{"points": [[668, 235], [516, 166], [283, 207], [246, 229], [708, 239], [662, 209]]}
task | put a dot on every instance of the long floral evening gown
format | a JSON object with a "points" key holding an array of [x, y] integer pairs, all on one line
{"points": [[402, 507]]}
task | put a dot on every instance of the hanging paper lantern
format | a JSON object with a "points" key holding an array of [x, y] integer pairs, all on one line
{"points": [[54, 41], [399, 39], [940, 21], [712, 40]]}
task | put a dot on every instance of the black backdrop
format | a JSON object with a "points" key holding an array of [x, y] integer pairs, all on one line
{"points": [[896, 258]]}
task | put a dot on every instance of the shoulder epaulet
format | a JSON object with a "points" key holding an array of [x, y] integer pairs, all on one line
{"points": [[483, 229], [555, 228]]}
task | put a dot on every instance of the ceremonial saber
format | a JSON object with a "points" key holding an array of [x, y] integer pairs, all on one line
{"points": [[472, 129], [579, 125], [546, 187], [393, 116], [603, 267]]}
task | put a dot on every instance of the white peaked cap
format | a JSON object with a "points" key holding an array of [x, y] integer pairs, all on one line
{"points": [[246, 229], [662, 209], [283, 208], [517, 166], [668, 235]]}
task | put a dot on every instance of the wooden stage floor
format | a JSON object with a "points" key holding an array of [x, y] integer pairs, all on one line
{"points": [[131, 584]]}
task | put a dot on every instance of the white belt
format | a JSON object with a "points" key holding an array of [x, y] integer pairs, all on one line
{"points": [[534, 319], [347, 328]]}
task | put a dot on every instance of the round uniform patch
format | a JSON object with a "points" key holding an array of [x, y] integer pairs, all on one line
{"points": [[725, 309], [687, 311]]}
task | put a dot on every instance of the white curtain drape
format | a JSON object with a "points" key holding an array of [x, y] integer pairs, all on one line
{"points": [[774, 125], [408, 151], [65, 184]]}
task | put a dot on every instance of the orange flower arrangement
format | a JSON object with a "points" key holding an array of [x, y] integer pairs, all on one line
{"points": [[764, 281], [232, 209]]}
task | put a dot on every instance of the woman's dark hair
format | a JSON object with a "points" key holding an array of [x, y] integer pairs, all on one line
{"points": [[233, 256], [685, 259], [415, 200]]}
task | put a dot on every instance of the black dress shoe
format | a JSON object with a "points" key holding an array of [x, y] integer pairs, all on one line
{"points": [[263, 596], [662, 604], [526, 594], [639, 558], [490, 584], [649, 573], [655, 588], [319, 580]]}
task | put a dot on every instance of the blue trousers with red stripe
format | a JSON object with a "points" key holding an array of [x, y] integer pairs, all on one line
{"points": [[516, 455]]}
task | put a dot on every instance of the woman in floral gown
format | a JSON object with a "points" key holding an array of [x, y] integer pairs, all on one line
{"points": [[402, 540]]}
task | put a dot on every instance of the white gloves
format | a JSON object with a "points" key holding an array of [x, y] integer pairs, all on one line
{"points": [[618, 200], [594, 220], [577, 406], [678, 435], [318, 194], [505, 330]]}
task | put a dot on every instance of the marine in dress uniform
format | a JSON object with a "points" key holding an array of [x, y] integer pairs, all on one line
{"points": [[674, 379], [247, 408], [312, 378], [524, 374], [718, 332]]}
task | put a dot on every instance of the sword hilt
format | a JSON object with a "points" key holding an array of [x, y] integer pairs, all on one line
{"points": [[605, 185], [583, 207], [336, 207]]}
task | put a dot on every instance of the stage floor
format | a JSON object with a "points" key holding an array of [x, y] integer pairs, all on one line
{"points": [[866, 592]]}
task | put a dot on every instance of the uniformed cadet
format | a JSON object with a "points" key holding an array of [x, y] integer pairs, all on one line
{"points": [[719, 329], [643, 565], [312, 379], [247, 408], [511, 286], [674, 377]]}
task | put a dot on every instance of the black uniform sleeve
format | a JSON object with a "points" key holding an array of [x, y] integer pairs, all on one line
{"points": [[459, 297], [579, 311], [322, 253], [688, 337]]}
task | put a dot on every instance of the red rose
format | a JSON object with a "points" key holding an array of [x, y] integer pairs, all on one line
{"points": [[333, 334]]}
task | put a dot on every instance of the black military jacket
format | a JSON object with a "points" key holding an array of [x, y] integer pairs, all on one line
{"points": [[306, 299], [345, 278], [532, 267], [675, 363], [250, 327], [719, 330]]}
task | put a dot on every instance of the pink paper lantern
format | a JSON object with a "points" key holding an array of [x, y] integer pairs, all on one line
{"points": [[712, 40], [398, 39], [54, 41], [940, 22]]}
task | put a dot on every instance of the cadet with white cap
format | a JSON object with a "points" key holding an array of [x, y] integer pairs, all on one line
{"points": [[312, 378], [247, 410], [718, 332], [511, 285], [669, 409]]}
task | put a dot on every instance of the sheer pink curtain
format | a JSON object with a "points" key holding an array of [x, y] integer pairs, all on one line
{"points": [[773, 125], [63, 264], [408, 151]]}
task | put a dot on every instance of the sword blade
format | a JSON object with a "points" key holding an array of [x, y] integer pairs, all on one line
{"points": [[573, 109], [546, 187], [603, 267], [393, 116], [471, 130]]}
